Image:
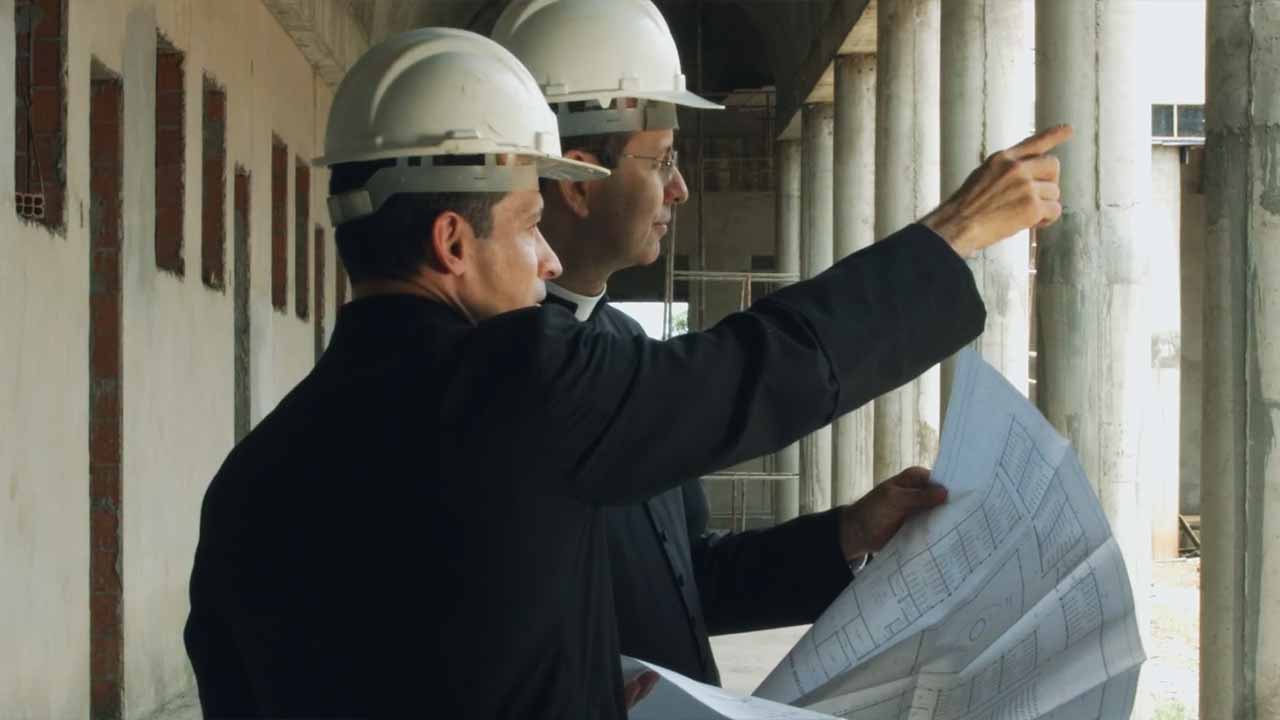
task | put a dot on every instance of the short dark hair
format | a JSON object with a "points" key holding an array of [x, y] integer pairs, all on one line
{"points": [[392, 244], [606, 147]]}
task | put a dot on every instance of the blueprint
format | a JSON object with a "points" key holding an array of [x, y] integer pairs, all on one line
{"points": [[677, 697], [1009, 602]]}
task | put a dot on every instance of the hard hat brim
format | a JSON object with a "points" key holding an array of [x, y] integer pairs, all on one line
{"points": [[556, 168], [683, 98]]}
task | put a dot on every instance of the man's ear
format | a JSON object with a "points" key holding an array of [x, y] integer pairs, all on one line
{"points": [[450, 249], [575, 194]]}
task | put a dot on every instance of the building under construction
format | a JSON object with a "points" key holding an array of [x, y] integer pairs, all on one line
{"points": [[170, 274]]}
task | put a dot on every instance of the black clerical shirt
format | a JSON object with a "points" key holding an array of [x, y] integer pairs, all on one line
{"points": [[415, 530]]}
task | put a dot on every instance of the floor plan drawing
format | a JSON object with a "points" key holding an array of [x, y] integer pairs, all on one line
{"points": [[1009, 602]]}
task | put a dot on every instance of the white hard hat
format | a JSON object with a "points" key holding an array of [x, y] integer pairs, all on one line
{"points": [[433, 93], [601, 51]]}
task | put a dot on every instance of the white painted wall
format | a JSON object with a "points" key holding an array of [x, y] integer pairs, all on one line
{"points": [[44, 458], [177, 336]]}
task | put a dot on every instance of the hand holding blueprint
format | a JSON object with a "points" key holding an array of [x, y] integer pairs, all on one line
{"points": [[1010, 602]]}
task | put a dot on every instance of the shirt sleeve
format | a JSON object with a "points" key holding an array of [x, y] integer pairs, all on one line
{"points": [[775, 577], [631, 417]]}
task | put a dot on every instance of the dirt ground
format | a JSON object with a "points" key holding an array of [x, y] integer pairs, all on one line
{"points": [[1171, 676], [1170, 684]]}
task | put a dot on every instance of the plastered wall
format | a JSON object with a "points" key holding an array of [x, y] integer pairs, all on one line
{"points": [[177, 342]]}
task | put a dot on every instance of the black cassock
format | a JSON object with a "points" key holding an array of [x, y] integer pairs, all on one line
{"points": [[675, 583], [416, 529]]}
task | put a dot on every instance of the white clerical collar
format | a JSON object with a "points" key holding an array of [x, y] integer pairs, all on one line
{"points": [[582, 305]]}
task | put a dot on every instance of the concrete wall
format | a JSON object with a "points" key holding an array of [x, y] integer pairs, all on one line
{"points": [[177, 345]]}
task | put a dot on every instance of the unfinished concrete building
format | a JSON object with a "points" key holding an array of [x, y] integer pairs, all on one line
{"points": [[169, 274]]}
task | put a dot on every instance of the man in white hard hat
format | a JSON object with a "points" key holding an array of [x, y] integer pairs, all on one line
{"points": [[611, 70], [415, 529]]}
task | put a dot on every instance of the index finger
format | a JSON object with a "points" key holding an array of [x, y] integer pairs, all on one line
{"points": [[1042, 142]]}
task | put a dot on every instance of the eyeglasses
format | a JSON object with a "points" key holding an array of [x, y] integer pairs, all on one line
{"points": [[665, 165]]}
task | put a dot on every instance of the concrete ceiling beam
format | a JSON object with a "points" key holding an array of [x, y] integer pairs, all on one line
{"points": [[846, 31], [328, 32]]}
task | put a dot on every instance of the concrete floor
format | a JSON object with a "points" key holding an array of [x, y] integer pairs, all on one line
{"points": [[1170, 677]]}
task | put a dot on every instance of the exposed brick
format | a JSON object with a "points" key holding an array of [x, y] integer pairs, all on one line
{"points": [[104, 571], [213, 235], [104, 442], [50, 25], [169, 146], [104, 316], [319, 285], [104, 605], [105, 648], [169, 75], [104, 103], [215, 103], [47, 68], [169, 160], [106, 700], [46, 109], [279, 226], [104, 400], [104, 529], [104, 360], [302, 219], [104, 482], [170, 108], [104, 263]]}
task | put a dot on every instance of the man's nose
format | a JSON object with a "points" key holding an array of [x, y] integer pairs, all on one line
{"points": [[549, 267], [676, 192]]}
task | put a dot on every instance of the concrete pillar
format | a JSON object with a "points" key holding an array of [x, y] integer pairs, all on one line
{"points": [[786, 493], [988, 99], [1191, 407], [1240, 502], [907, 185], [1159, 460], [854, 184], [1094, 349], [816, 217]]}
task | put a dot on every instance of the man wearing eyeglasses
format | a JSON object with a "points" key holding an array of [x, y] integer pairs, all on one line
{"points": [[674, 583]]}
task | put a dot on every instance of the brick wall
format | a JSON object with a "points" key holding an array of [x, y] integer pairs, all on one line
{"points": [[170, 149], [302, 221], [40, 110], [319, 285], [106, 590], [213, 235], [242, 289], [279, 225]]}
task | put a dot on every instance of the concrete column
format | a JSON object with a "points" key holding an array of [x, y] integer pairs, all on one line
{"points": [[1240, 501], [786, 493], [853, 182], [1191, 407], [1159, 460], [907, 183], [1094, 350], [988, 98], [816, 217]]}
